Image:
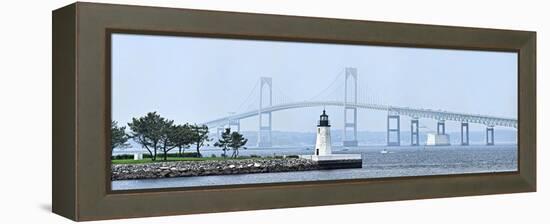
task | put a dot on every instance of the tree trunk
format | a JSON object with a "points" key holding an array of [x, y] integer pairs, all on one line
{"points": [[165, 152], [149, 150], [154, 158], [198, 150]]}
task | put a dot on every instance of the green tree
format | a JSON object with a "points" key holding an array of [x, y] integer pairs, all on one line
{"points": [[199, 136], [224, 141], [148, 131], [168, 132], [118, 136], [181, 137], [237, 141]]}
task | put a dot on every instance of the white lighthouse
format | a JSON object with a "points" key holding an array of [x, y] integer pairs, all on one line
{"points": [[323, 150], [323, 143]]}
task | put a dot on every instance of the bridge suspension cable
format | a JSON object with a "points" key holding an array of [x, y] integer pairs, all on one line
{"points": [[249, 97], [324, 91], [281, 97]]}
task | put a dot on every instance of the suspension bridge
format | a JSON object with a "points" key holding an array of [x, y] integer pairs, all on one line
{"points": [[264, 106]]}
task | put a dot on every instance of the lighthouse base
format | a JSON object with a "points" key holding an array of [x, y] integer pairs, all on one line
{"points": [[336, 161]]}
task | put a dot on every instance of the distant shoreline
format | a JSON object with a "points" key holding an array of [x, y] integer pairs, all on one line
{"points": [[304, 149]]}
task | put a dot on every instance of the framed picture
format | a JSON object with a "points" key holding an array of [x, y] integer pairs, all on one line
{"points": [[202, 111]]}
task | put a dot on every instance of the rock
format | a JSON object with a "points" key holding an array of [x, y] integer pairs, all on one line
{"points": [[231, 166]]}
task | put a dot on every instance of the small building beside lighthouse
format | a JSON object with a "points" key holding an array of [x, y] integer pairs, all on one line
{"points": [[323, 149], [323, 144]]}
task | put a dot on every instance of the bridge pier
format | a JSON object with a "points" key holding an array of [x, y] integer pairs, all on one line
{"points": [[350, 123], [391, 130], [464, 134], [441, 127], [490, 135], [415, 139], [264, 126]]}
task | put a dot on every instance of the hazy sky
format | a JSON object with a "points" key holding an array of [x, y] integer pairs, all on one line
{"points": [[200, 79]]}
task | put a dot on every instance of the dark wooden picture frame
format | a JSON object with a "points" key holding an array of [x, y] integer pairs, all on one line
{"points": [[81, 111]]}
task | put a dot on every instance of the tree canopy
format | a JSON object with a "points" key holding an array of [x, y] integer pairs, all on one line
{"points": [[118, 136], [233, 140], [181, 137], [199, 136], [224, 140], [237, 141], [168, 134], [149, 131], [154, 133]]}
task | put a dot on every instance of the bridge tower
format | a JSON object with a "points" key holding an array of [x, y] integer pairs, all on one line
{"points": [[392, 116], [350, 122], [264, 123]]}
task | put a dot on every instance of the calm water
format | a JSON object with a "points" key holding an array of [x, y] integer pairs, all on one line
{"points": [[398, 162]]}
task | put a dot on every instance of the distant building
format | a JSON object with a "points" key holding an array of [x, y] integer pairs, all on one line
{"points": [[435, 139]]}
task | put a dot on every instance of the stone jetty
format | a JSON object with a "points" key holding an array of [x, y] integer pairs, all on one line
{"points": [[213, 167]]}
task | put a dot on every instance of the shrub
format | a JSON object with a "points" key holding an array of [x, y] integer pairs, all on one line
{"points": [[123, 156], [172, 155], [147, 156]]}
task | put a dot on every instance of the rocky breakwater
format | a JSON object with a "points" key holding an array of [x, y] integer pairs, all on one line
{"points": [[205, 168]]}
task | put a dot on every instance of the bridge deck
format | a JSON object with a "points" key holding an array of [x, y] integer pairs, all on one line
{"points": [[412, 112]]}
